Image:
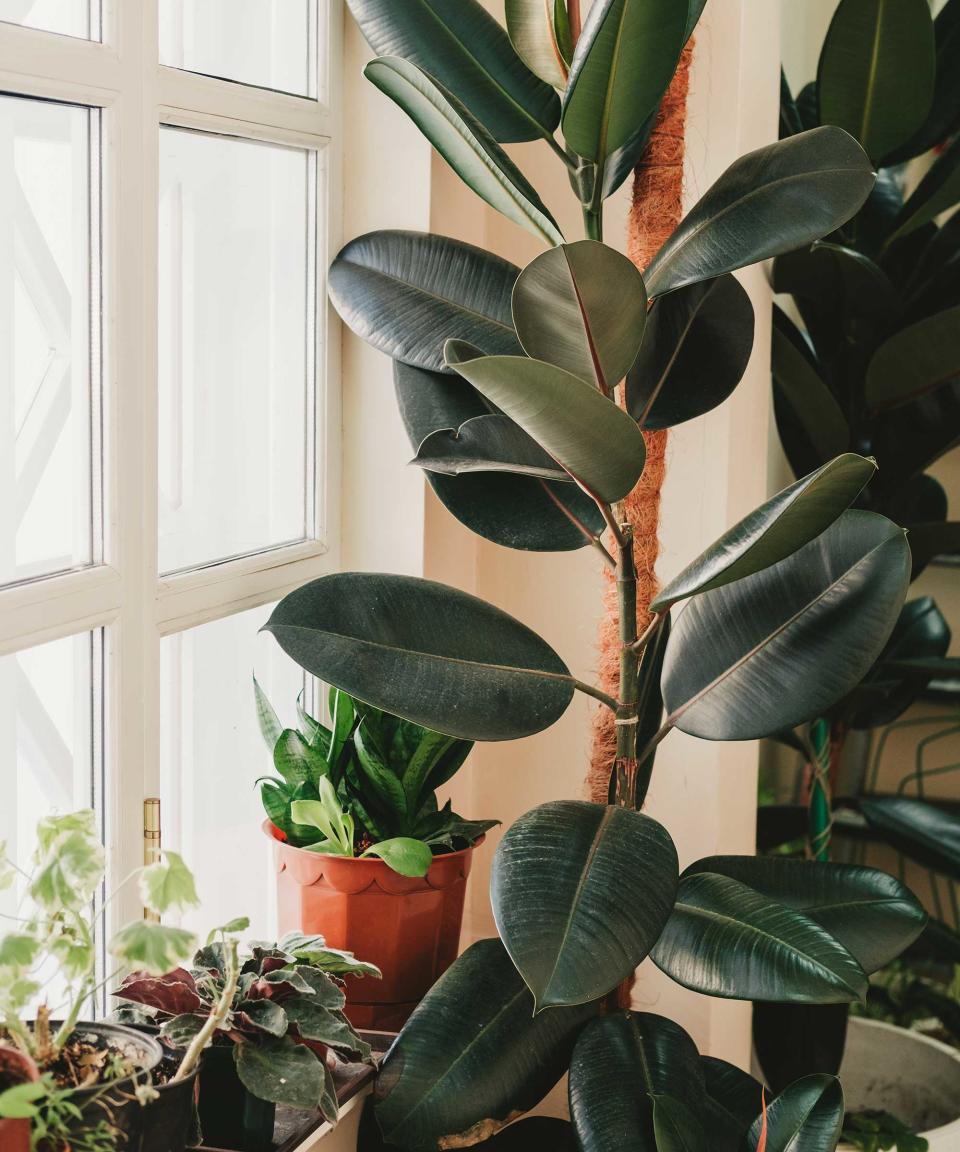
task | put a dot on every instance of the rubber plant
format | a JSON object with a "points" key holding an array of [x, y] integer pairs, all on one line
{"points": [[526, 394], [874, 366]]}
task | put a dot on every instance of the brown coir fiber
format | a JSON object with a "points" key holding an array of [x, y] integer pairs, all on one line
{"points": [[656, 211]]}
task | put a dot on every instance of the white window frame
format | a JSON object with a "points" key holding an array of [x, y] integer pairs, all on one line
{"points": [[123, 595]]}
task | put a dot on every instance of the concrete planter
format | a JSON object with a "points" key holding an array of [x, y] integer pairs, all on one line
{"points": [[911, 1076]]}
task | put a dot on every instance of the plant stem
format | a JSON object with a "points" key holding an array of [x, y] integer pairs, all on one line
{"points": [[819, 814], [561, 152], [597, 694], [217, 1017], [627, 721], [593, 222], [644, 640]]}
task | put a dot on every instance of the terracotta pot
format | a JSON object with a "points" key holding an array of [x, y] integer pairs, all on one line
{"points": [[408, 926], [15, 1068]]}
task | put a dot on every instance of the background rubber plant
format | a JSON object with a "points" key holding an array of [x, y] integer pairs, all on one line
{"points": [[874, 366], [526, 394], [365, 786]]}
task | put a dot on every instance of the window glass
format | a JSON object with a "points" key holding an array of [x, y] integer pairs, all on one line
{"points": [[49, 324], [236, 347], [68, 17], [265, 43]]}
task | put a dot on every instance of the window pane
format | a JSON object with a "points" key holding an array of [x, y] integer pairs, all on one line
{"points": [[68, 17], [266, 43], [211, 754], [49, 315], [50, 746], [236, 339]]}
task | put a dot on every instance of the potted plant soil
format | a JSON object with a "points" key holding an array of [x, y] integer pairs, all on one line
{"points": [[264, 1027], [363, 852], [95, 1077]]}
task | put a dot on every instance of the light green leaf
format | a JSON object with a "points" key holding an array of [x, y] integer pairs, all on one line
{"points": [[18, 950], [403, 854], [918, 359], [622, 65], [532, 26], [70, 865], [580, 893], [297, 761], [582, 307], [465, 144], [594, 439], [168, 886], [156, 948], [778, 198], [20, 1101], [8, 874], [876, 73], [267, 719], [775, 530]]}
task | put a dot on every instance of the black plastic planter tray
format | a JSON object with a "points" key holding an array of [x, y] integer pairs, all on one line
{"points": [[293, 1127]]}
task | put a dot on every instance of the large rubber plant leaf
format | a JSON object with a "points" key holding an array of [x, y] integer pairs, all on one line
{"points": [[676, 1127], [491, 443], [582, 307], [917, 360], [811, 423], [472, 1055], [695, 351], [775, 530], [533, 27], [425, 652], [465, 144], [778, 198], [871, 913], [876, 73], [619, 1063], [460, 45], [781, 646], [621, 163], [623, 63], [921, 831], [839, 279], [524, 512], [580, 893], [806, 1117], [737, 1096], [408, 292], [583, 430], [726, 939], [938, 191], [909, 438], [944, 115], [930, 540]]}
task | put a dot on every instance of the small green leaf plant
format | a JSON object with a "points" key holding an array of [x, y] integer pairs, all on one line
{"points": [[874, 1131], [52, 938], [365, 786], [279, 1007]]}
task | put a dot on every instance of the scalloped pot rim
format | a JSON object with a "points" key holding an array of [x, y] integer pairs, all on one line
{"points": [[353, 874]]}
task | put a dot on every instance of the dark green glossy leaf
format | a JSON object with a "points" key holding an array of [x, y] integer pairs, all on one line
{"points": [[583, 308], [928, 541], [876, 218], [775, 530], [649, 708], [619, 1062], [812, 426], [790, 123], [623, 63], [768, 202], [806, 1117], [936, 192], [465, 144], [694, 12], [515, 511], [580, 893], [282, 1072], [461, 45], [694, 353], [908, 439], [818, 1037], [426, 652], [385, 784], [839, 279], [921, 831], [876, 73], [621, 163], [407, 292], [676, 1127], [871, 913], [532, 26], [944, 114], [493, 443], [736, 1093], [583, 430], [781, 646], [808, 106], [918, 359], [725, 939], [472, 1053]]}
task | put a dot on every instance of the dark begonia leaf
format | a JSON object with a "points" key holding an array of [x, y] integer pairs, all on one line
{"points": [[580, 893], [514, 511], [461, 45], [778, 198], [647, 1055], [726, 939], [426, 652], [781, 646], [871, 913], [406, 293], [472, 1055], [695, 351], [775, 530]]}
